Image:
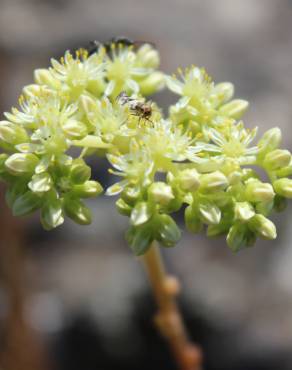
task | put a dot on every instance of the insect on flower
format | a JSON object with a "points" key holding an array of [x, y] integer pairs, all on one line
{"points": [[118, 40], [137, 107]]}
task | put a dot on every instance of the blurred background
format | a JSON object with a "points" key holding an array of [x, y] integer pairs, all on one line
{"points": [[75, 298]]}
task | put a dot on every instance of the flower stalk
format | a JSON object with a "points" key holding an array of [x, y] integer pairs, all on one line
{"points": [[168, 319]]}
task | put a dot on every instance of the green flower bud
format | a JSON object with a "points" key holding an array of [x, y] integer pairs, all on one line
{"points": [[130, 195], [88, 189], [239, 237], [263, 227], [224, 92], [79, 172], [209, 213], [189, 180], [192, 220], [149, 56], [74, 129], [141, 213], [257, 191], [52, 214], [234, 109], [26, 204], [153, 83], [270, 140], [277, 158], [213, 182], [77, 211], [160, 193], [285, 171], [40, 183], [123, 207], [21, 163], [168, 232], [283, 187], [140, 238], [11, 133], [243, 211]]}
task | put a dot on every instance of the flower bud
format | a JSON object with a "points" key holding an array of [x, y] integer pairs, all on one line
{"points": [[88, 189], [52, 214], [80, 172], [285, 171], [189, 179], [234, 109], [152, 83], [161, 193], [140, 238], [11, 133], [263, 226], [74, 129], [257, 191], [168, 232], [209, 213], [237, 237], [283, 187], [270, 140], [40, 183], [141, 213], [213, 182], [123, 207], [20, 163], [192, 220], [149, 56], [224, 92], [77, 211], [130, 195], [277, 158], [243, 211], [26, 204]]}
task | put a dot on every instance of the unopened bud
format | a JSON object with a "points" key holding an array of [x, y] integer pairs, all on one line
{"points": [[224, 92], [234, 109], [20, 163], [88, 189], [270, 140], [11, 133], [160, 193], [263, 226], [283, 187], [244, 211], [149, 56], [277, 158], [257, 191], [213, 182], [80, 172], [189, 179]]}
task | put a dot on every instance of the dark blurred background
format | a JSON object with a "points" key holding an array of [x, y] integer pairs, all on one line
{"points": [[75, 298]]}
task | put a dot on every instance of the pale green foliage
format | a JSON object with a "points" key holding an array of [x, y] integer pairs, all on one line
{"points": [[202, 148]]}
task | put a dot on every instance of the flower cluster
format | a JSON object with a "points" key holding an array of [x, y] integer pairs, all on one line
{"points": [[200, 157]]}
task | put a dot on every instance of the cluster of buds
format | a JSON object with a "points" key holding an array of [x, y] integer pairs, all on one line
{"points": [[198, 158]]}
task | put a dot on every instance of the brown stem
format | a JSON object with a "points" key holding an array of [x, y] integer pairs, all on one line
{"points": [[168, 318]]}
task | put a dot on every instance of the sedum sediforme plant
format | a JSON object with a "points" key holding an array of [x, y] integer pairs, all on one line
{"points": [[210, 163]]}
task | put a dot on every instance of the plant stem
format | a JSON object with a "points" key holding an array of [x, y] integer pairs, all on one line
{"points": [[168, 318]]}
